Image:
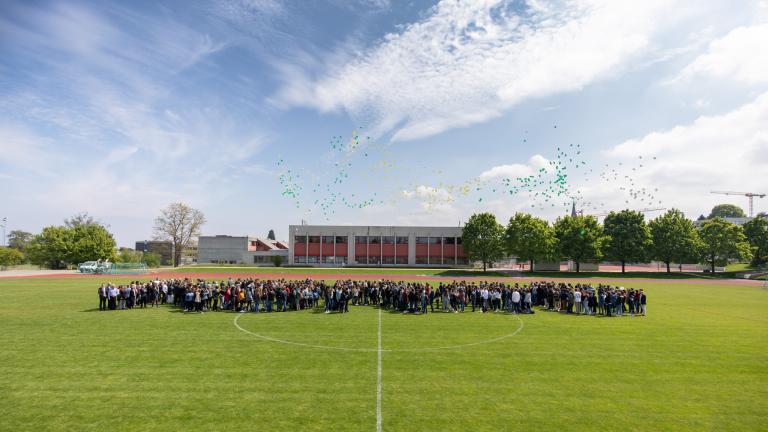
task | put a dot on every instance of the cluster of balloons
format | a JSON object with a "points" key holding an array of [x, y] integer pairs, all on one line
{"points": [[358, 173]]}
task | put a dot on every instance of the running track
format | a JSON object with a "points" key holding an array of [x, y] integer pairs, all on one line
{"points": [[396, 276]]}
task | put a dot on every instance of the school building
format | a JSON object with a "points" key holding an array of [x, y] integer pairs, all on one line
{"points": [[386, 246]]}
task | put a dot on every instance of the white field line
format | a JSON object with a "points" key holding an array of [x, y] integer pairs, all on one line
{"points": [[326, 347], [378, 382]]}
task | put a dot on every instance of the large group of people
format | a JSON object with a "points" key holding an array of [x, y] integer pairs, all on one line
{"points": [[254, 295]]}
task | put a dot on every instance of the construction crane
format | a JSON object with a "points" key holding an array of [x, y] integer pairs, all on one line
{"points": [[750, 195]]}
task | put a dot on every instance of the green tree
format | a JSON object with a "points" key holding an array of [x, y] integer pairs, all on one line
{"points": [[151, 259], [722, 241], [277, 260], [18, 239], [128, 255], [725, 211], [271, 235], [629, 237], [51, 248], [483, 239], [10, 257], [79, 219], [580, 239], [530, 238], [91, 242], [674, 238], [756, 232]]}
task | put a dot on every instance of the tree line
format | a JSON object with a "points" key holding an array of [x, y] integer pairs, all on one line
{"points": [[82, 238], [624, 237]]}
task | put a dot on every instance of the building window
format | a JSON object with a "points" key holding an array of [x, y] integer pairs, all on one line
{"points": [[373, 259], [388, 240], [341, 260], [458, 240], [449, 261], [421, 260], [402, 240], [313, 259], [401, 260], [328, 260], [361, 260], [449, 240], [361, 240], [328, 239], [314, 239], [341, 240], [374, 239], [422, 240], [432, 240], [388, 260], [253, 243], [435, 260], [300, 239], [301, 259]]}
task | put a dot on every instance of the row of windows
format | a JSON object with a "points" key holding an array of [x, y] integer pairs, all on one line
{"points": [[381, 240], [436, 240], [381, 260], [316, 239], [436, 260], [314, 259]]}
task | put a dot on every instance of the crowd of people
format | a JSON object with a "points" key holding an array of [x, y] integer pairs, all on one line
{"points": [[254, 295]]}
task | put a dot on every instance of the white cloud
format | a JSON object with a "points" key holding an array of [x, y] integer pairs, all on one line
{"points": [[469, 61], [741, 55], [712, 153], [430, 197], [535, 163]]}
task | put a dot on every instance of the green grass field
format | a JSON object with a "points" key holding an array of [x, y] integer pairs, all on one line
{"points": [[697, 362]]}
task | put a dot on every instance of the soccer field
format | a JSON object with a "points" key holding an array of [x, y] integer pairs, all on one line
{"points": [[696, 362]]}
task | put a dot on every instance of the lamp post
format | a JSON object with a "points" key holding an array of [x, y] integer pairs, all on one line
{"points": [[5, 221]]}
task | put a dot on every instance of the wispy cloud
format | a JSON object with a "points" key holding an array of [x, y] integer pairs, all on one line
{"points": [[741, 56], [467, 62]]}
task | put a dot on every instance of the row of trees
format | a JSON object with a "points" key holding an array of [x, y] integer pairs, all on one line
{"points": [[624, 237], [82, 238]]}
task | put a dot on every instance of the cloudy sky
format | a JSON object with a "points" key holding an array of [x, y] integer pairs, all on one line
{"points": [[262, 113]]}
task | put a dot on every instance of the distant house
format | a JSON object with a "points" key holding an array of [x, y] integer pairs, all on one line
{"points": [[226, 249]]}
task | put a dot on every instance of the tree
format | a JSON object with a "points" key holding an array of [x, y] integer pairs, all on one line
{"points": [[580, 239], [10, 257], [674, 238], [82, 218], [726, 211], [271, 235], [128, 255], [51, 248], [179, 224], [151, 259], [277, 260], [18, 239], [722, 241], [91, 242], [483, 239], [530, 238], [756, 232], [629, 237]]}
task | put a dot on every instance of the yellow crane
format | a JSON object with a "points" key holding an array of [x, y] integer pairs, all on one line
{"points": [[750, 195]]}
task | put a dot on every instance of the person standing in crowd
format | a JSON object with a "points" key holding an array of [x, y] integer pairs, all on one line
{"points": [[103, 294]]}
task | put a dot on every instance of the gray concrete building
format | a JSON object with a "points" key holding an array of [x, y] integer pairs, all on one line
{"points": [[226, 249]]}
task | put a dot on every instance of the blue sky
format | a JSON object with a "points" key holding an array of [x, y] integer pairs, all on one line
{"points": [[121, 108]]}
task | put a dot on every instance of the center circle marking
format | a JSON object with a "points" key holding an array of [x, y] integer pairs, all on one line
{"points": [[328, 347]]}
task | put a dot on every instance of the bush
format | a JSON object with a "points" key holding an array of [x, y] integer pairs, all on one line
{"points": [[277, 260], [151, 259], [10, 257]]}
